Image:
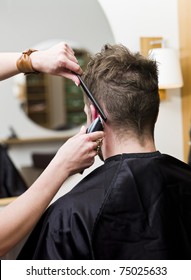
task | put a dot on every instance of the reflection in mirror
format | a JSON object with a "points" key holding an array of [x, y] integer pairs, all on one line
{"points": [[53, 102]]}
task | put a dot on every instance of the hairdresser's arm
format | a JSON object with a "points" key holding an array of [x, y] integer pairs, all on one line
{"points": [[8, 66], [18, 218], [59, 60]]}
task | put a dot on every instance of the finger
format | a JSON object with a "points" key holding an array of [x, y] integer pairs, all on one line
{"points": [[65, 47], [73, 66], [69, 65], [96, 135], [83, 129], [92, 154], [94, 146], [71, 76], [71, 56], [81, 132], [69, 49]]}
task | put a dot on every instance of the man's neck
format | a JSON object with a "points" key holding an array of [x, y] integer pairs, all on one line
{"points": [[116, 145]]}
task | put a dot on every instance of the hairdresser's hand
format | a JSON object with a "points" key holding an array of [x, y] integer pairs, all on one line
{"points": [[59, 60], [78, 152]]}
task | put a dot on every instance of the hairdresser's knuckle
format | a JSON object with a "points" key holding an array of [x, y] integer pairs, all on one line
{"points": [[66, 46], [63, 45], [63, 63], [89, 148], [77, 66], [87, 138], [65, 52]]}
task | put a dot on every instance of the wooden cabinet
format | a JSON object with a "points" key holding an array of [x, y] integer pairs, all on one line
{"points": [[74, 104], [37, 104]]}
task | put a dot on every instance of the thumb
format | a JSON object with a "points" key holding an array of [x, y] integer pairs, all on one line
{"points": [[83, 129]]}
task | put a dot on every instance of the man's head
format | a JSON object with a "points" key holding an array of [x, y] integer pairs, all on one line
{"points": [[126, 87]]}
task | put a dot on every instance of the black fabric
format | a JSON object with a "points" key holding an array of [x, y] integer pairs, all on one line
{"points": [[41, 160], [135, 206], [11, 182], [146, 216]]}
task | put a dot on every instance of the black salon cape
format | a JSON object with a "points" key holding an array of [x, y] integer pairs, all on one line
{"points": [[135, 206], [11, 181]]}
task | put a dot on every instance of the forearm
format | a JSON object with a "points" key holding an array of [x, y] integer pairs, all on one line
{"points": [[59, 60], [18, 218], [8, 66]]}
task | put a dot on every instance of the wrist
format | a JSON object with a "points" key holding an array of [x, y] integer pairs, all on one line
{"points": [[36, 61], [24, 62], [60, 168]]}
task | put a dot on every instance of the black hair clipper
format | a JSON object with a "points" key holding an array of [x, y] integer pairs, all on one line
{"points": [[96, 125]]}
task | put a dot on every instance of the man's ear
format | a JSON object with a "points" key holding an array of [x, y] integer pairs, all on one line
{"points": [[94, 112]]}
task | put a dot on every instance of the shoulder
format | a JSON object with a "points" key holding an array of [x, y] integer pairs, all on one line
{"points": [[171, 163], [89, 190]]}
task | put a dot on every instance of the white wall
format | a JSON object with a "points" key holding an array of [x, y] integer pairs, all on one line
{"points": [[132, 19]]}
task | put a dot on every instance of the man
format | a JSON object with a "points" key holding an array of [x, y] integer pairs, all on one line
{"points": [[137, 205]]}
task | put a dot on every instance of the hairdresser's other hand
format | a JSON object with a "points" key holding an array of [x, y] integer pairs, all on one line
{"points": [[79, 152], [58, 60]]}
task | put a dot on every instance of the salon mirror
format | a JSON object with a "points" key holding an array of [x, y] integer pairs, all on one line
{"points": [[82, 24], [50, 101]]}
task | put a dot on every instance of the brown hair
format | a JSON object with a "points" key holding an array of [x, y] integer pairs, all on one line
{"points": [[126, 87]]}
